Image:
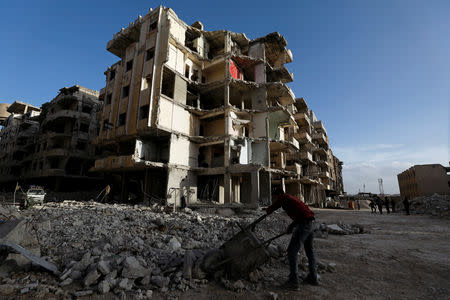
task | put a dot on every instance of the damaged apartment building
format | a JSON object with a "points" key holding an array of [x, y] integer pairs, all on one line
{"points": [[19, 128], [196, 116], [52, 146]]}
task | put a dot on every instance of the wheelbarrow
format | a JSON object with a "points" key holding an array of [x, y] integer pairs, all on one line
{"points": [[241, 254]]}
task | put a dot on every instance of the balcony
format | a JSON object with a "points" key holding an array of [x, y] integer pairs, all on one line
{"points": [[318, 125], [295, 167], [302, 119], [320, 151], [320, 138], [306, 156], [325, 174], [322, 163], [124, 38], [68, 114], [303, 137]]}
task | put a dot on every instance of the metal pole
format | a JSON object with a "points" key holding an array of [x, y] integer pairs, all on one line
{"points": [[15, 190]]}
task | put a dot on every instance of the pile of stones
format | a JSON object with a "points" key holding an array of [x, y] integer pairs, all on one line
{"points": [[435, 205], [116, 248]]}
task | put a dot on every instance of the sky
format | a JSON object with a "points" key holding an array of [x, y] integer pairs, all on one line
{"points": [[377, 73]]}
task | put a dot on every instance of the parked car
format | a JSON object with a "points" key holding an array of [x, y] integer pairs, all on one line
{"points": [[34, 195]]}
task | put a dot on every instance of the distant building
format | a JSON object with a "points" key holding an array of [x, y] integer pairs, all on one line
{"points": [[424, 180], [53, 146], [19, 129]]}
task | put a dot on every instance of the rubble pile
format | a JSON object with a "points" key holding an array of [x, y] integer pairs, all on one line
{"points": [[436, 205], [118, 247], [114, 248], [341, 228]]}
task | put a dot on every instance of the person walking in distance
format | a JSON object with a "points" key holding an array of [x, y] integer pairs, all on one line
{"points": [[406, 205], [392, 204], [372, 206], [379, 204], [386, 203], [302, 228]]}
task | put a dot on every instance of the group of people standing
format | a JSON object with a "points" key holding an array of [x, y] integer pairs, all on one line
{"points": [[388, 202]]}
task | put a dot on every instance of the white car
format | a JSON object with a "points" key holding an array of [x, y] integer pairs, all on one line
{"points": [[35, 195]]}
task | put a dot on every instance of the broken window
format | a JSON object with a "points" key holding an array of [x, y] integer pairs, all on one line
{"points": [[168, 83], [153, 26], [125, 91], [150, 54], [143, 112], [112, 74], [186, 72], [122, 119], [86, 109], [54, 164], [108, 99], [105, 125], [84, 127], [194, 76], [129, 65], [81, 145]]}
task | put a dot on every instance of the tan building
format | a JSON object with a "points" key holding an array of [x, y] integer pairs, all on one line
{"points": [[205, 117], [424, 180]]}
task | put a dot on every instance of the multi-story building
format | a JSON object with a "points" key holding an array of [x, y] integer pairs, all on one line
{"points": [[424, 180], [52, 147], [19, 130], [205, 116], [63, 151]]}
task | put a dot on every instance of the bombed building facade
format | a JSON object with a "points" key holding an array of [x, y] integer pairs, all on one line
{"points": [[51, 146], [196, 116], [424, 180], [19, 128]]}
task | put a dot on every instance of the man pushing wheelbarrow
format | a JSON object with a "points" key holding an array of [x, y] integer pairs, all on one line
{"points": [[302, 229], [244, 252]]}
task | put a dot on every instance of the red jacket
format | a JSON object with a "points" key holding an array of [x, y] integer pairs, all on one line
{"points": [[294, 207]]}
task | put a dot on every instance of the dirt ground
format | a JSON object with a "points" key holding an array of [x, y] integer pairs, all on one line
{"points": [[403, 257]]}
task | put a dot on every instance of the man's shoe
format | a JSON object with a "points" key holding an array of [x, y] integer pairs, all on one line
{"points": [[290, 285], [312, 280]]}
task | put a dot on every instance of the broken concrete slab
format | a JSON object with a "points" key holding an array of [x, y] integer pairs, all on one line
{"points": [[33, 258], [133, 269], [334, 228]]}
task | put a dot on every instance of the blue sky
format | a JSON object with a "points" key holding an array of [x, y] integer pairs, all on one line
{"points": [[376, 72]]}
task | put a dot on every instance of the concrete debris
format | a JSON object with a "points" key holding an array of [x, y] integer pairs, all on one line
{"points": [[435, 205], [155, 251], [33, 258], [344, 228], [91, 278]]}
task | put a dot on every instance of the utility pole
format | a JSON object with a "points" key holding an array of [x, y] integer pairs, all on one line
{"points": [[380, 186]]}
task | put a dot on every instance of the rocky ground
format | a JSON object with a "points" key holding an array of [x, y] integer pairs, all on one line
{"points": [[106, 251]]}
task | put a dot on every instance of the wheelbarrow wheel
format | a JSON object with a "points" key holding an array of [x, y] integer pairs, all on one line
{"points": [[212, 261]]}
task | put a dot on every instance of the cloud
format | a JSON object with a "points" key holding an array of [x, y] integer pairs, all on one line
{"points": [[364, 164]]}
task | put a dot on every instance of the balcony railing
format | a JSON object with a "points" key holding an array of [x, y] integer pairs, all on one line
{"points": [[320, 138], [306, 155], [302, 119]]}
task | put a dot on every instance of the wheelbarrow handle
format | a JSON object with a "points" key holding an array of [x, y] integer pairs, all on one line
{"points": [[253, 224], [267, 242]]}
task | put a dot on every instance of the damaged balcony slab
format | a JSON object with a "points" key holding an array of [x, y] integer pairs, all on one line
{"points": [[124, 38]]}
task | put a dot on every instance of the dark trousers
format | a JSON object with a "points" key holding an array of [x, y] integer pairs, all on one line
{"points": [[303, 233], [380, 208]]}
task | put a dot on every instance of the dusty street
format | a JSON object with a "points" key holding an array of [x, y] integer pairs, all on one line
{"points": [[403, 257]]}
